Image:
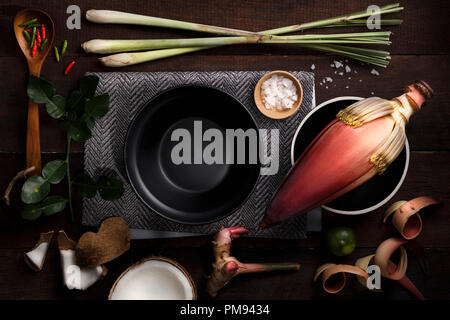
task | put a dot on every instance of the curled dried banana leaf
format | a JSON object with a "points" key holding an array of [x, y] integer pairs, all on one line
{"points": [[406, 218], [381, 258]]}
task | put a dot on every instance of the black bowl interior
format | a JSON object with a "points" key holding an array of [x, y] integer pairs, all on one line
{"points": [[192, 193], [369, 193]]}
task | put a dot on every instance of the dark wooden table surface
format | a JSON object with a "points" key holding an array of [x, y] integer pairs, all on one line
{"points": [[420, 50]]}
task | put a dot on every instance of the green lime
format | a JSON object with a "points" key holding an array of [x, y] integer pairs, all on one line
{"points": [[341, 240]]}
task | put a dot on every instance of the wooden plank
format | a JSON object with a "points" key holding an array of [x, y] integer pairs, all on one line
{"points": [[428, 175], [428, 130], [23, 283], [421, 32]]}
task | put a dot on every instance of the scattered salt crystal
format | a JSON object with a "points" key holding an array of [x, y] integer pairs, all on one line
{"points": [[349, 78], [338, 64], [321, 83], [332, 65], [313, 66], [355, 71], [375, 72], [372, 93], [347, 69], [326, 87], [346, 87], [278, 92], [360, 80], [329, 79], [335, 72], [341, 73]]}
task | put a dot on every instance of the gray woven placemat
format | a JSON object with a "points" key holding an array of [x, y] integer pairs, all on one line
{"points": [[129, 92]]}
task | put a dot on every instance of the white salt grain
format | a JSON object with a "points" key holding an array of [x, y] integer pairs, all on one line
{"points": [[347, 69], [313, 67], [278, 92], [329, 79], [341, 73], [375, 72], [338, 64]]}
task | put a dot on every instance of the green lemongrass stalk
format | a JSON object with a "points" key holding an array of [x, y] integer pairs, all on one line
{"points": [[363, 23], [366, 55], [375, 57], [130, 58], [118, 17], [330, 21], [349, 52], [113, 46]]}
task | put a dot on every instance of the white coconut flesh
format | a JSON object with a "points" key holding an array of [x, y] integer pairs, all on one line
{"points": [[153, 280], [37, 255]]}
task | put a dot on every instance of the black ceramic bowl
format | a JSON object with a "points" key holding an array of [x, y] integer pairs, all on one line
{"points": [[373, 193], [187, 193]]}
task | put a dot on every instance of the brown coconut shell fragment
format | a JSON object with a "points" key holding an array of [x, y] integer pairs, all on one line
{"points": [[111, 241], [43, 238]]}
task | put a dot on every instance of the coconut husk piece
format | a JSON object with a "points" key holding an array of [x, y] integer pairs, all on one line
{"points": [[74, 276], [35, 258], [111, 241]]}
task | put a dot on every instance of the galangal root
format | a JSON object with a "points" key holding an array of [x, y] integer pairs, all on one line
{"points": [[226, 266]]}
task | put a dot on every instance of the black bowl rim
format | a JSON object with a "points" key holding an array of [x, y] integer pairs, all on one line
{"points": [[127, 169], [375, 206]]}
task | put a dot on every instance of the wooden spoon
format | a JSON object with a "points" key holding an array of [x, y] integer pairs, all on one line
{"points": [[34, 66]]}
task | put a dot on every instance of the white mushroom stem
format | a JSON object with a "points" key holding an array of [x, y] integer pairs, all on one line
{"points": [[75, 277], [226, 267], [36, 257]]}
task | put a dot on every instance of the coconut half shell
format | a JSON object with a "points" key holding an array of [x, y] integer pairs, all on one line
{"points": [[111, 241], [154, 278]]}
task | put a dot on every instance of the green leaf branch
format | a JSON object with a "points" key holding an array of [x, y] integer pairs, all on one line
{"points": [[78, 114]]}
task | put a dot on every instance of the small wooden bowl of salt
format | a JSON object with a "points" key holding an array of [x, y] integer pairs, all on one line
{"points": [[278, 94]]}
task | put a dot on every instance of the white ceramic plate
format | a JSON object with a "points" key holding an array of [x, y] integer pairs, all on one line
{"points": [[373, 207]]}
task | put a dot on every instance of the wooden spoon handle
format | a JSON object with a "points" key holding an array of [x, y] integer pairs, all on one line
{"points": [[33, 138]]}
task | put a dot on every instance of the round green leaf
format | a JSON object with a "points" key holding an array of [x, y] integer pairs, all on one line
{"points": [[88, 85], [54, 171], [98, 106], [53, 204], [110, 188], [56, 106], [34, 190], [40, 90], [75, 102], [85, 186], [30, 211], [78, 130]]}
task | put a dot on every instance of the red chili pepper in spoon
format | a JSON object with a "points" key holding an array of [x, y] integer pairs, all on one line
{"points": [[43, 32], [38, 37], [33, 50]]}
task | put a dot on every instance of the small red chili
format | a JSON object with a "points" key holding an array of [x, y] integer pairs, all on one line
{"points": [[69, 66], [38, 37], [33, 50], [44, 34]]}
